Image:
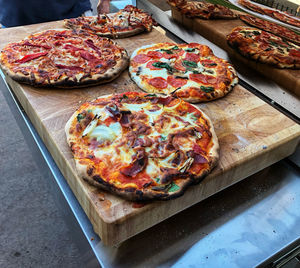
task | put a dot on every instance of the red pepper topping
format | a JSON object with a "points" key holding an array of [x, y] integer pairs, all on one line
{"points": [[31, 57], [72, 68], [36, 45]]}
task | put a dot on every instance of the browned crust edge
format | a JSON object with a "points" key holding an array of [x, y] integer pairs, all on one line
{"points": [[133, 194], [116, 35]]}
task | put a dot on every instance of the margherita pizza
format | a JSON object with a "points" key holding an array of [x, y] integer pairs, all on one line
{"points": [[126, 22], [142, 146], [264, 47], [61, 58], [202, 10], [272, 27], [188, 71]]}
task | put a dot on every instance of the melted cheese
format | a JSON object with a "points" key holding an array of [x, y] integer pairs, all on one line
{"points": [[104, 133]]}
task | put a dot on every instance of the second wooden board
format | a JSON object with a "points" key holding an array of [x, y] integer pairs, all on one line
{"points": [[216, 32]]}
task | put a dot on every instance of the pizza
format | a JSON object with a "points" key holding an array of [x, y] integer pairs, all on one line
{"points": [[203, 10], [271, 27], [62, 58], [251, 6], [142, 146], [188, 71], [281, 16], [126, 22], [264, 47]]}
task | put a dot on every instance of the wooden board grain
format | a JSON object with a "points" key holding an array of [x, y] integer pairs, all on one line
{"points": [[252, 136], [216, 32]]}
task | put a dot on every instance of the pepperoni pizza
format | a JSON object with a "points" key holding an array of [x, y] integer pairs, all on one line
{"points": [[188, 71], [62, 58]]}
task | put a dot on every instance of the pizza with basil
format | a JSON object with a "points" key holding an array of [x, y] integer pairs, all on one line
{"points": [[142, 146], [202, 9], [264, 47], [188, 71], [272, 27], [126, 22], [62, 58]]}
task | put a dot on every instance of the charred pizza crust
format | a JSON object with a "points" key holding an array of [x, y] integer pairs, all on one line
{"points": [[264, 47], [128, 154], [188, 71], [126, 22], [64, 59]]}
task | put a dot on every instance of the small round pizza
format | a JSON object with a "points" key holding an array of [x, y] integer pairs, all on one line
{"points": [[142, 146], [62, 58], [126, 22], [188, 71], [264, 47]]}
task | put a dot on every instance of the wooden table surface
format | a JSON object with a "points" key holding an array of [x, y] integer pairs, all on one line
{"points": [[252, 136]]}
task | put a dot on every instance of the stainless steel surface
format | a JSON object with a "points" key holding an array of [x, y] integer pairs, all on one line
{"points": [[268, 88]]}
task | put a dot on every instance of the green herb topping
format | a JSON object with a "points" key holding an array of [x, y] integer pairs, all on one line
{"points": [[80, 117], [173, 187], [160, 64], [190, 63], [207, 89]]}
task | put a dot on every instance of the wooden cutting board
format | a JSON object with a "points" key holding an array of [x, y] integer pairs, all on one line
{"points": [[252, 136], [216, 32]]}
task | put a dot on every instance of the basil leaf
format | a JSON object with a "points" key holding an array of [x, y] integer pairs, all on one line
{"points": [[157, 180], [256, 32], [168, 51], [212, 64], [190, 49], [196, 72], [80, 117], [190, 63], [173, 187], [175, 48], [207, 89], [160, 64], [163, 138]]}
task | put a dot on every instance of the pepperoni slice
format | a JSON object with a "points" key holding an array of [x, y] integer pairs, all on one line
{"points": [[202, 78], [192, 57], [141, 58], [209, 63], [170, 56], [176, 82], [155, 54], [151, 67], [178, 65], [158, 82], [295, 53]]}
